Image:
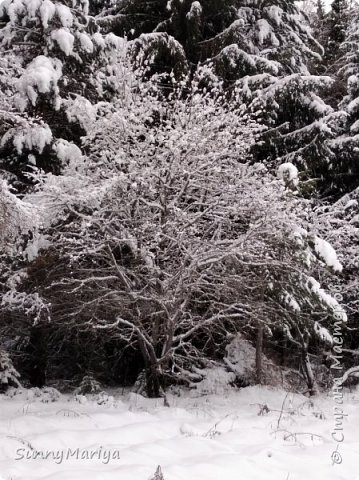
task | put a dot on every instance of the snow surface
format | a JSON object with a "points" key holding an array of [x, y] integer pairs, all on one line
{"points": [[211, 437]]}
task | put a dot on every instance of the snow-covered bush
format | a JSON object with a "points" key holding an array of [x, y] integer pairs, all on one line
{"points": [[140, 222], [215, 381], [240, 359], [88, 385], [44, 395], [104, 398], [8, 375]]}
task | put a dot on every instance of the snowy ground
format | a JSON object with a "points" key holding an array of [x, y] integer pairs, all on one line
{"points": [[215, 437]]}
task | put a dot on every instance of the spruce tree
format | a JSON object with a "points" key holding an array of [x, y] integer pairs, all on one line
{"points": [[337, 22], [59, 62], [262, 52], [346, 144], [9, 377]]}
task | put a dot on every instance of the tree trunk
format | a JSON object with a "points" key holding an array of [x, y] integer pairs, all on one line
{"points": [[307, 367], [308, 372], [153, 382], [37, 356]]}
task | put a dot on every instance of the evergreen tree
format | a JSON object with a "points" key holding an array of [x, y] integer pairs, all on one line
{"points": [[61, 69], [273, 31], [317, 20], [336, 26], [9, 377], [345, 145], [262, 52]]}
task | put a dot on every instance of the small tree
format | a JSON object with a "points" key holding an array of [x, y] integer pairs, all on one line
{"points": [[170, 240], [9, 377]]}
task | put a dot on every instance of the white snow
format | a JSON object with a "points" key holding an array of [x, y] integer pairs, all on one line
{"points": [[355, 127], [32, 7], [47, 12], [275, 13], [300, 235], [353, 106], [85, 5], [328, 300], [323, 333], [98, 39], [33, 248], [198, 437], [32, 304], [291, 302], [195, 11], [327, 253], [351, 204], [113, 41], [81, 110], [240, 356], [216, 381], [65, 15], [64, 39], [67, 152], [85, 42], [264, 30], [35, 138], [41, 75], [16, 217], [288, 173]]}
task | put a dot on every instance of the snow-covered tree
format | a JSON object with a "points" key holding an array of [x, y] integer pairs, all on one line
{"points": [[264, 51], [17, 218], [336, 23], [206, 30], [339, 224], [300, 125], [345, 144], [61, 69], [9, 377], [168, 241]]}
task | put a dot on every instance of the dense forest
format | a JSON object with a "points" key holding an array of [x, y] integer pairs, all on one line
{"points": [[179, 180]]}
